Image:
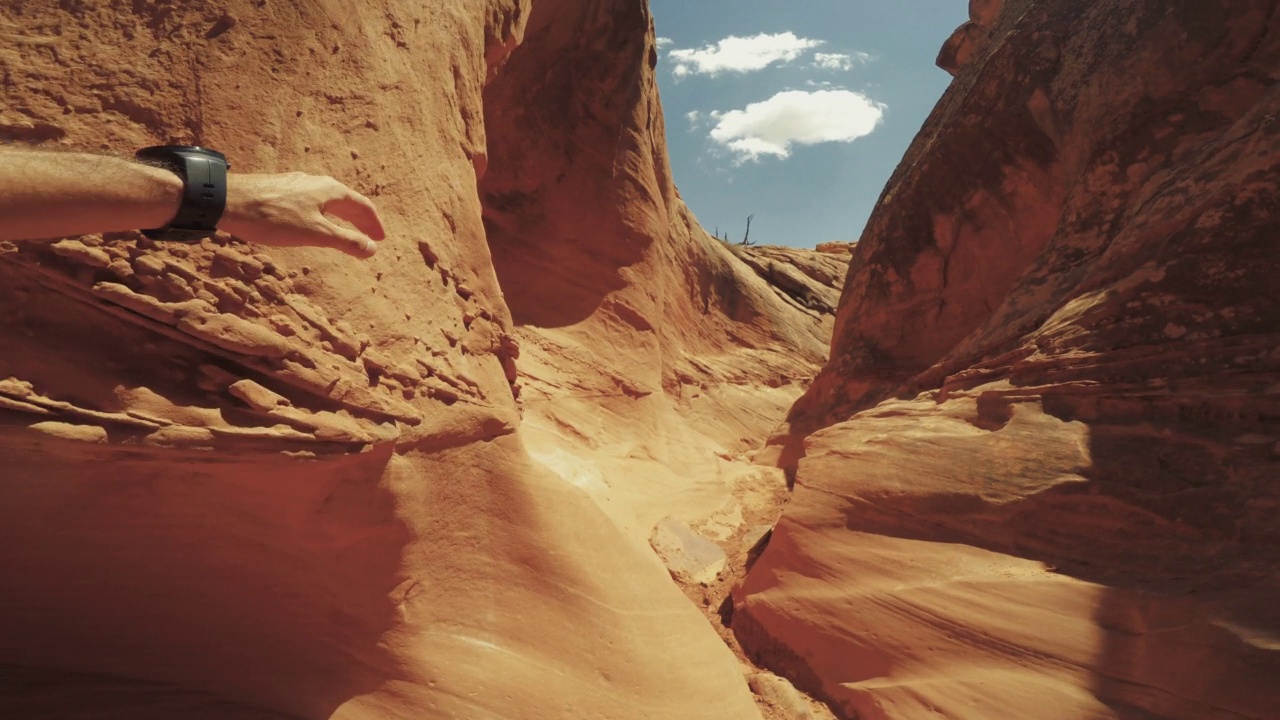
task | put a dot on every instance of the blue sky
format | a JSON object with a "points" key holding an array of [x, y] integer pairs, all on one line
{"points": [[796, 111]]}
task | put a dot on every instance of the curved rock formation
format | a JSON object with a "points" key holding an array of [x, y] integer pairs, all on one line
{"points": [[654, 359], [1039, 473], [241, 484]]}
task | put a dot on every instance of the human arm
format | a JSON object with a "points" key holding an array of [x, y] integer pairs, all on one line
{"points": [[46, 194]]}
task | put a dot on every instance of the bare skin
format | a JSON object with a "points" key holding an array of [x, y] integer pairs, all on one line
{"points": [[57, 194]]}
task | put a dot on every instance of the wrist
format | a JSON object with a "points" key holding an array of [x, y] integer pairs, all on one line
{"points": [[159, 194], [204, 190], [239, 206]]}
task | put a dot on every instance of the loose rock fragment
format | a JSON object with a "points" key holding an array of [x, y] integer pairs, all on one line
{"points": [[780, 693], [68, 431], [79, 252], [689, 556]]}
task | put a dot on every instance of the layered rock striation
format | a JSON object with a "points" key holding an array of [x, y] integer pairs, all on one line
{"points": [[286, 484], [1038, 472], [654, 358]]}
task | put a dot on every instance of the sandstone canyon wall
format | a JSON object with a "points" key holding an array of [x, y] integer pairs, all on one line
{"points": [[653, 360], [1039, 473], [239, 484]]}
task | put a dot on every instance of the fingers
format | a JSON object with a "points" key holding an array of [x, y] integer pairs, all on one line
{"points": [[351, 242], [356, 209], [289, 210]]}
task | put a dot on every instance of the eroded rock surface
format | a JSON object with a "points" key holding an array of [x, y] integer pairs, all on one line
{"points": [[654, 358], [240, 484], [809, 278], [1039, 470]]}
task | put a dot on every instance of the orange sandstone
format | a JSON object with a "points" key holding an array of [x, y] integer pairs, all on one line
{"points": [[240, 484], [1038, 471]]}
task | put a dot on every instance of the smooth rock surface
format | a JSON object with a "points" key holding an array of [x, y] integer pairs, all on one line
{"points": [[652, 356], [1036, 477], [246, 484]]}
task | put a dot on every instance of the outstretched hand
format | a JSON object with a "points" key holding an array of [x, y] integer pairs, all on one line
{"points": [[293, 209]]}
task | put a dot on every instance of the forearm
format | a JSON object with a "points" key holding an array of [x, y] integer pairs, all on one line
{"points": [[47, 194]]}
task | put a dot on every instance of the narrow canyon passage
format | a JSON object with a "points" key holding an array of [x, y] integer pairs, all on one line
{"points": [[1013, 454], [654, 360]]}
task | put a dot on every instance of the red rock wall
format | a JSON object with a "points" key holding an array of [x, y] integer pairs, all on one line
{"points": [[586, 225], [652, 357], [240, 483], [1042, 482]]}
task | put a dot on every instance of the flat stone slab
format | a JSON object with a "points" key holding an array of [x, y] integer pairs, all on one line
{"points": [[688, 556]]}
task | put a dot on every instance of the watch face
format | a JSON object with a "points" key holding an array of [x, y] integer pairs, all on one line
{"points": [[160, 152]]}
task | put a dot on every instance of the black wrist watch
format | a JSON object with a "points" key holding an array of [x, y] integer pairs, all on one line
{"points": [[204, 190]]}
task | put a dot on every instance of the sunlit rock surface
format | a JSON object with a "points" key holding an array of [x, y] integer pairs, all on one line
{"points": [[1039, 471], [287, 484], [654, 359]]}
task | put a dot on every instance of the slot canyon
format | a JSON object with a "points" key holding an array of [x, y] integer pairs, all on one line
{"points": [[555, 451]]}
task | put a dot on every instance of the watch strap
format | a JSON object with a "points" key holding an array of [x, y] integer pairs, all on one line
{"points": [[204, 190]]}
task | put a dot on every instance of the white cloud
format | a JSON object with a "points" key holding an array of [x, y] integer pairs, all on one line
{"points": [[796, 117], [832, 61], [663, 42], [840, 61], [741, 54]]}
